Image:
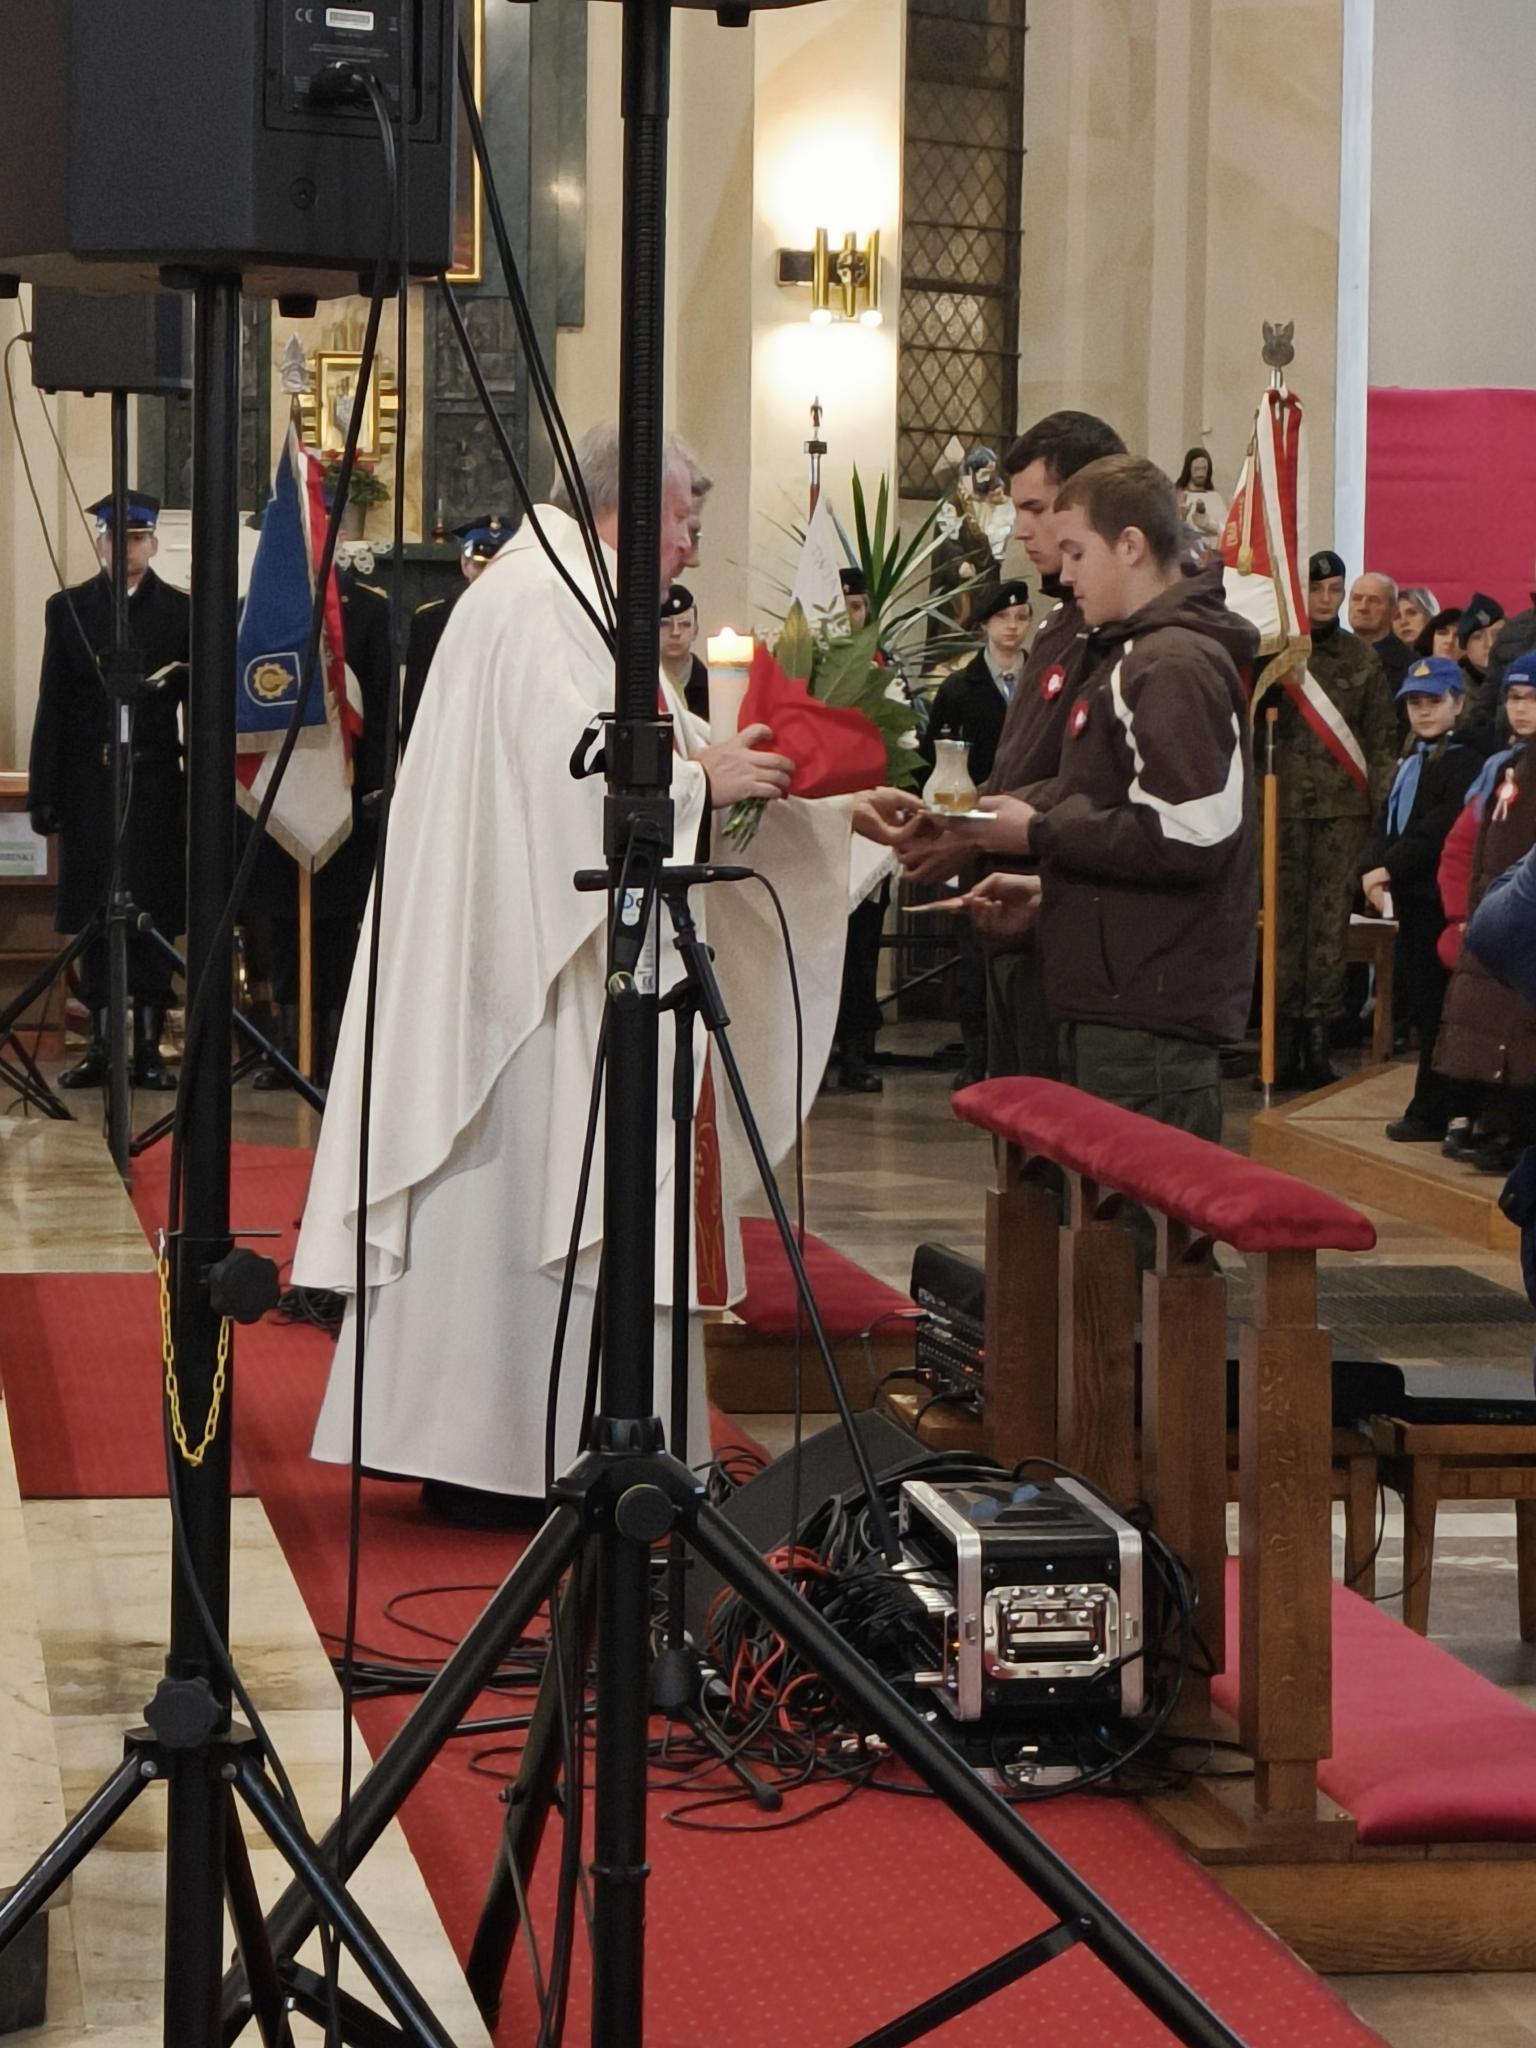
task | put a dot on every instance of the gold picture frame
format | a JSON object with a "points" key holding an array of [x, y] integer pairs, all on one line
{"points": [[468, 203], [335, 392]]}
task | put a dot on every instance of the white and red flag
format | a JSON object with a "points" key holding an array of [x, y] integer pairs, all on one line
{"points": [[1265, 555], [313, 812]]}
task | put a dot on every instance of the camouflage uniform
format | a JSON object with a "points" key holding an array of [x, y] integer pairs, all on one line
{"points": [[1324, 819]]}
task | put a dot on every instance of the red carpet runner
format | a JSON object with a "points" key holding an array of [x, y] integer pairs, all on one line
{"points": [[800, 1938]]}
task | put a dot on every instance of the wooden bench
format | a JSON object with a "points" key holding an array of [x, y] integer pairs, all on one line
{"points": [[1373, 943], [1430, 1462], [1060, 1379]]}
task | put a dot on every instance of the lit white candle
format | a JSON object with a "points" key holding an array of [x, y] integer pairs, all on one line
{"points": [[730, 658]]}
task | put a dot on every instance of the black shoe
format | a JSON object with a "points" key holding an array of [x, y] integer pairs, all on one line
{"points": [[1496, 1155], [1408, 1130], [854, 1071], [473, 1507], [269, 1077], [973, 1071], [1459, 1141], [92, 1071], [1317, 1069], [149, 1070]]}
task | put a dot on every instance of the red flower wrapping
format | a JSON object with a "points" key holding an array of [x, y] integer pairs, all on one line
{"points": [[835, 751]]}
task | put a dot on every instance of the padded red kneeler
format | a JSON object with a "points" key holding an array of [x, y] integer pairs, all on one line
{"points": [[1424, 1750], [1219, 1193]]}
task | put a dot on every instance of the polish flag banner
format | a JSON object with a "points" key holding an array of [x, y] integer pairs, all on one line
{"points": [[312, 816], [1264, 542]]}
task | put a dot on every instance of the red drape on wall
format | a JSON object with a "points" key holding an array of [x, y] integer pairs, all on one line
{"points": [[1451, 492]]}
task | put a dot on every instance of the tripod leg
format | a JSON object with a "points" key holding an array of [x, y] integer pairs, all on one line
{"points": [[983, 1812], [266, 1987], [62, 1856], [530, 1798], [383, 1792], [399, 1994]]}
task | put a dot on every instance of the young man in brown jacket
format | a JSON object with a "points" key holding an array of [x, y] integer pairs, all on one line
{"points": [[1021, 1038], [1147, 894]]}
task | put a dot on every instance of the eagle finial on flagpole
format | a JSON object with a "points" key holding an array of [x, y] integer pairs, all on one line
{"points": [[1279, 350]]}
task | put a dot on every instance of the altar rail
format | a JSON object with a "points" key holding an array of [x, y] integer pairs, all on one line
{"points": [[1060, 1375]]}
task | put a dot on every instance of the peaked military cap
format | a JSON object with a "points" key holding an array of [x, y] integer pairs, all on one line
{"points": [[143, 513], [482, 537]]}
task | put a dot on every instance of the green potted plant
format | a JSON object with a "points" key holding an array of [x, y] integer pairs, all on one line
{"points": [[364, 490]]}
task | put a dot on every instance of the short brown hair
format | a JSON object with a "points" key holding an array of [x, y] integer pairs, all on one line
{"points": [[1064, 442], [1127, 490]]}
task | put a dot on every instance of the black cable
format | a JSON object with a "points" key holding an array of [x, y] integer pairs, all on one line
{"points": [[397, 160], [542, 383], [515, 469]]}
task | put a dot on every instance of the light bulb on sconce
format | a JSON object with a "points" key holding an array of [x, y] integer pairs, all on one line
{"points": [[844, 285]]}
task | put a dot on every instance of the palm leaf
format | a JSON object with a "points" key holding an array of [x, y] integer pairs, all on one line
{"points": [[795, 648]]}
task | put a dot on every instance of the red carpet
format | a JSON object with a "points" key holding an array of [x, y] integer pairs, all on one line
{"points": [[794, 1939]]}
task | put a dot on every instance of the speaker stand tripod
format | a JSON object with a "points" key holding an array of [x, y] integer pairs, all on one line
{"points": [[627, 1493]]}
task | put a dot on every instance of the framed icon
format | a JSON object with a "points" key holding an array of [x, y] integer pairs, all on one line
{"points": [[335, 399]]}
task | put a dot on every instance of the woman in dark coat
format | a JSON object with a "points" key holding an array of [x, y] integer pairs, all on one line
{"points": [[1401, 862]]}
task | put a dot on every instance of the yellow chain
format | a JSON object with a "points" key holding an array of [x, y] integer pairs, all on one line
{"points": [[172, 1385]]}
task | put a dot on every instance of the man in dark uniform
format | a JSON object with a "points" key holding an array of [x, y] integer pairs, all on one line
{"points": [[972, 702], [1372, 604], [679, 633], [1021, 1034], [970, 705], [1334, 763], [479, 542], [340, 888], [70, 781]]}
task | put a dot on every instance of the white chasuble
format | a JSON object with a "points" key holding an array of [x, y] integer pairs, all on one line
{"points": [[490, 1005]]}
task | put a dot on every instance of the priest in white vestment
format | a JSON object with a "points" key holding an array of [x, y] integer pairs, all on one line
{"points": [[489, 1008]]}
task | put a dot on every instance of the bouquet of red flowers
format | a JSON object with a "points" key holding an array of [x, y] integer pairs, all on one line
{"points": [[830, 706]]}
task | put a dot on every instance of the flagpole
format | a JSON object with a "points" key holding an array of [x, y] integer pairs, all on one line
{"points": [[1269, 935], [306, 975]]}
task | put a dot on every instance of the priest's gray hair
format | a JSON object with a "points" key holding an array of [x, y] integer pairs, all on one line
{"points": [[597, 457]]}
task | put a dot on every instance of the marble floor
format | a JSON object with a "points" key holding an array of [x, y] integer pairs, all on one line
{"points": [[883, 1173]]}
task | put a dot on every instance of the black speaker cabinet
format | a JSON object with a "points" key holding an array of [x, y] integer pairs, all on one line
{"points": [[762, 1509], [111, 341], [181, 134]]}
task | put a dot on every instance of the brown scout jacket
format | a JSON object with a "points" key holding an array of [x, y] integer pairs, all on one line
{"points": [[1149, 846]]}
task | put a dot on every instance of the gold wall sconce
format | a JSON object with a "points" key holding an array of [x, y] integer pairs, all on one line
{"points": [[844, 282]]}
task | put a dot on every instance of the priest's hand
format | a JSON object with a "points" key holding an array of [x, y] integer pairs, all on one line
{"points": [[1002, 906], [1375, 885], [880, 814], [741, 770]]}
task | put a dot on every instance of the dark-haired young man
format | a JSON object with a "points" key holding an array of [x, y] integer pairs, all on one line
{"points": [[1147, 895], [1021, 1038]]}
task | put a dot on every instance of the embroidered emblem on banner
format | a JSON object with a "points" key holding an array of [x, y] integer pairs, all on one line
{"points": [[1052, 683], [1078, 719]]}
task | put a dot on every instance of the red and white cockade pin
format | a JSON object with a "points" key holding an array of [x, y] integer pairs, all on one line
{"points": [[1079, 718], [1509, 789], [1052, 683]]}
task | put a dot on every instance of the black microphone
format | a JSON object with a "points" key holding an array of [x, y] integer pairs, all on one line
{"points": [[589, 880]]}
